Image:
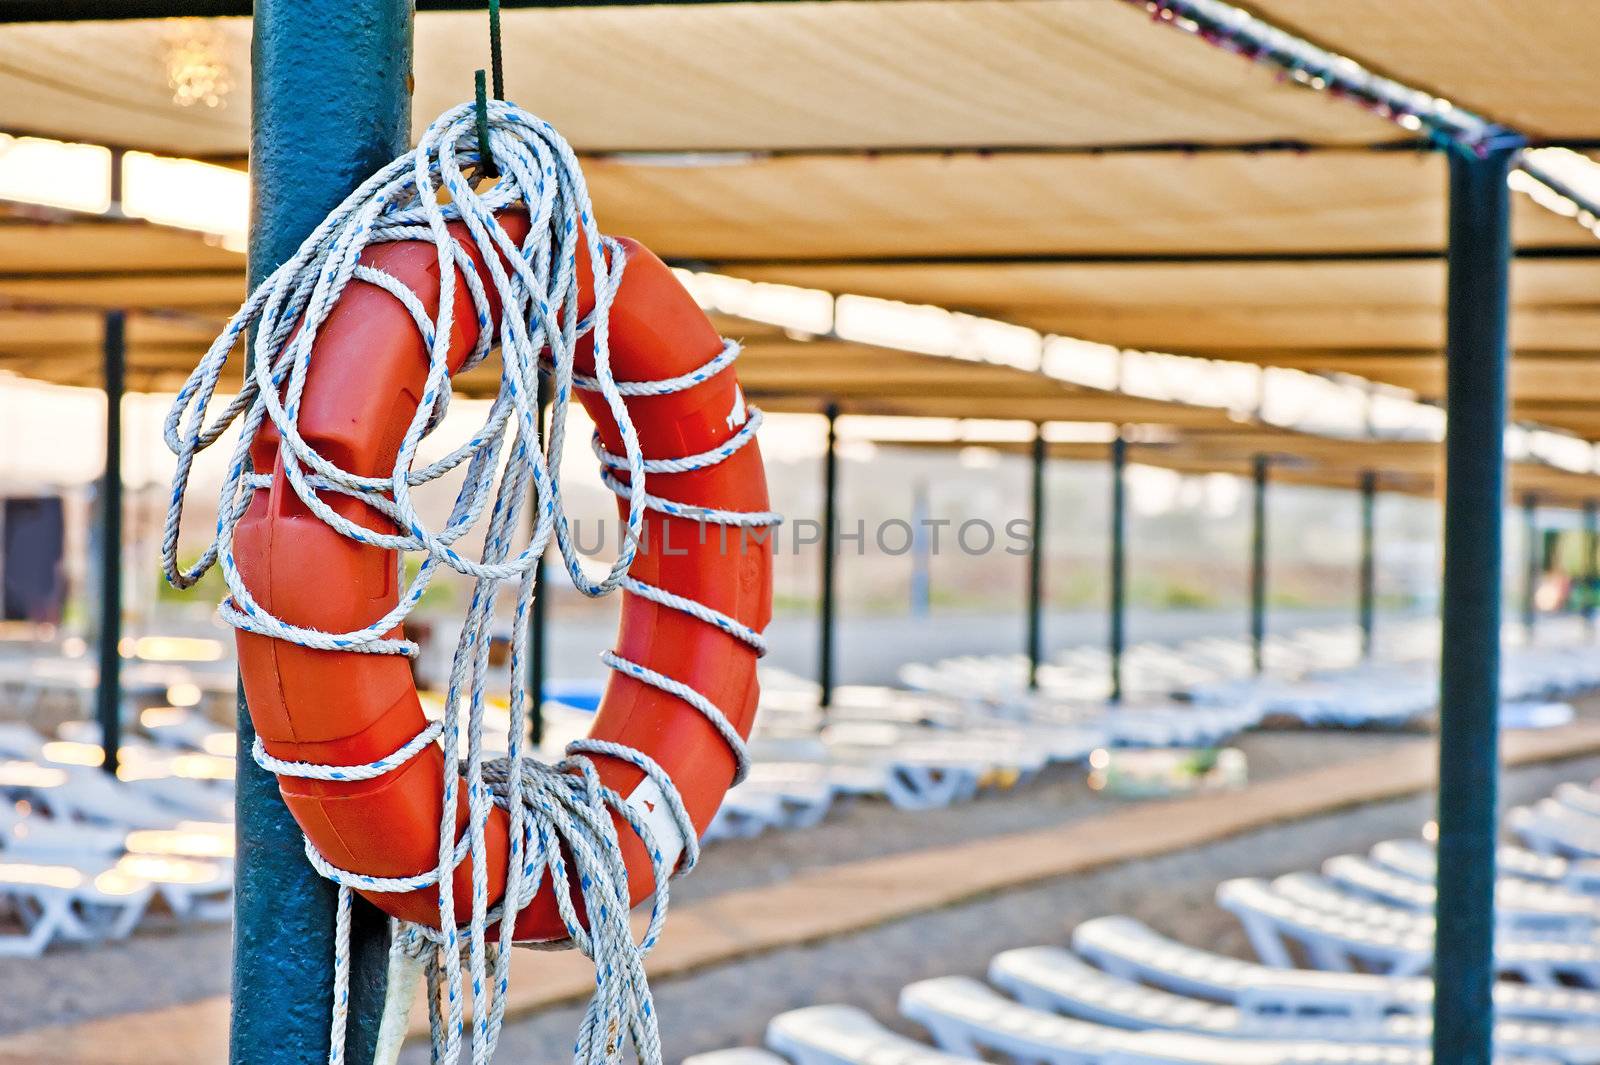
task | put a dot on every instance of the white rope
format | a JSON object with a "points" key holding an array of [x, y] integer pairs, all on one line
{"points": [[553, 810]]}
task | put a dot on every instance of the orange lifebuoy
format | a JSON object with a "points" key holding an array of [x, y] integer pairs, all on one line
{"points": [[340, 708]]}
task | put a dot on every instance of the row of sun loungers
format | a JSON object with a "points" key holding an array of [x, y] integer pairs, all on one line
{"points": [[1124, 993], [85, 857], [920, 750], [1314, 676], [164, 824]]}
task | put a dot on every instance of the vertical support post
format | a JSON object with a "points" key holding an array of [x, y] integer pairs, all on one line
{"points": [[1258, 562], [830, 550], [1117, 628], [1469, 677], [921, 552], [1367, 604], [1532, 564], [538, 616], [1036, 562], [108, 696], [330, 105], [1591, 563]]}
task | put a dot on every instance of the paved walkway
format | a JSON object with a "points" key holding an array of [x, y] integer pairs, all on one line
{"points": [[824, 905]]}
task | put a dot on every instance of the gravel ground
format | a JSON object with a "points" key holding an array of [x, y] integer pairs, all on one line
{"points": [[162, 967]]}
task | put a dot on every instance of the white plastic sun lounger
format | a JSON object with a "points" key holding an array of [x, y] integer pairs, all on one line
{"points": [[782, 795], [884, 761], [1584, 800], [735, 1056], [845, 1035], [53, 902], [1064, 984], [1522, 908], [36, 838], [1344, 929], [1552, 827], [1417, 859], [179, 781], [967, 1018], [1176, 1048], [1319, 892], [1337, 931], [871, 771], [186, 728], [19, 741], [1134, 951], [87, 794], [917, 775], [745, 813], [807, 791], [191, 888]]}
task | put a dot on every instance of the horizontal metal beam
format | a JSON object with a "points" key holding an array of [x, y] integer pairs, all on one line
{"points": [[116, 10], [1376, 255], [132, 273]]}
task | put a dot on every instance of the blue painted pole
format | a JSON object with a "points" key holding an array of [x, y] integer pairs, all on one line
{"points": [[921, 559], [1532, 564], [1591, 575], [1469, 677], [538, 616], [331, 104], [830, 553], [1036, 560], [108, 694], [1367, 607], [1118, 621], [1258, 563]]}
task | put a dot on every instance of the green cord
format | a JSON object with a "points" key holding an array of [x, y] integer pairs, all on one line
{"points": [[485, 159], [495, 63], [498, 66]]}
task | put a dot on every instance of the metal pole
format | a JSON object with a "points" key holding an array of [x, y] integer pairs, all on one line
{"points": [[538, 616], [1258, 563], [1119, 561], [1036, 563], [330, 105], [1369, 562], [108, 697], [1532, 563], [830, 526], [1469, 678], [1591, 564], [921, 558]]}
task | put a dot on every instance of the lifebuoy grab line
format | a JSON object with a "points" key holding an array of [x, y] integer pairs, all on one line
{"points": [[393, 280]]}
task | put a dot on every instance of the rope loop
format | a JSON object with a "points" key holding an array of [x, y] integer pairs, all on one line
{"points": [[563, 821]]}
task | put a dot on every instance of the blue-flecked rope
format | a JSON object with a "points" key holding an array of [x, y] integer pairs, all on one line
{"points": [[561, 814]]}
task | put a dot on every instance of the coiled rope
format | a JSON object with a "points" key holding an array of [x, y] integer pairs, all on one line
{"points": [[553, 810]]}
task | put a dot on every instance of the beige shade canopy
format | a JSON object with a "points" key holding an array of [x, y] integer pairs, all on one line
{"points": [[1410, 467], [781, 373], [1527, 63], [1005, 204], [1383, 320], [1064, 165], [919, 73]]}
